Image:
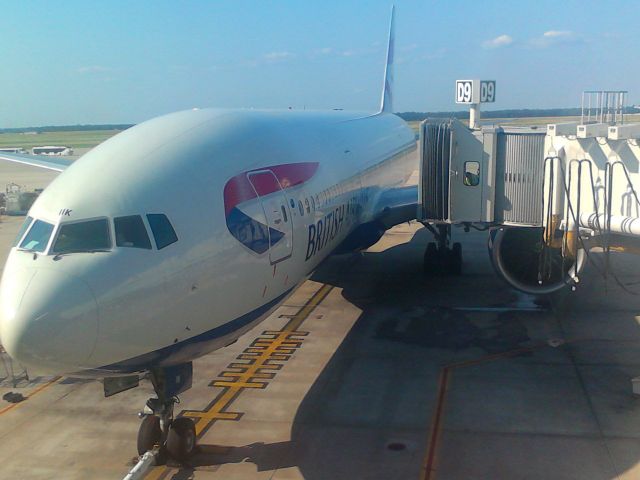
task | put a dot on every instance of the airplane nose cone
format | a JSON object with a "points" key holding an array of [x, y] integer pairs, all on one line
{"points": [[48, 320]]}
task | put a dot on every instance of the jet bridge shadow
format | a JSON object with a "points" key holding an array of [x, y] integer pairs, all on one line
{"points": [[369, 413]]}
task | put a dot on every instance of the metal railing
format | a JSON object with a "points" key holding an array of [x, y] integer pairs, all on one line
{"points": [[603, 106]]}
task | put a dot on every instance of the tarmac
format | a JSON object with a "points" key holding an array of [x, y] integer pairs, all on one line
{"points": [[372, 370]]}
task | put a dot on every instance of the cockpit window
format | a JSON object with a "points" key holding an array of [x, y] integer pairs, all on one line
{"points": [[130, 232], [38, 237], [23, 229], [163, 232], [83, 237]]}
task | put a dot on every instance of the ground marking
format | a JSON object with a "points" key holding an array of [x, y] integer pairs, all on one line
{"points": [[253, 368], [429, 467], [31, 395]]}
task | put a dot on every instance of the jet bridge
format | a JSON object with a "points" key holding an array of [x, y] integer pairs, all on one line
{"points": [[488, 176], [476, 179], [549, 195]]}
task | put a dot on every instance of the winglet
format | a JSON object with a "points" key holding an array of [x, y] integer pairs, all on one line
{"points": [[386, 102]]}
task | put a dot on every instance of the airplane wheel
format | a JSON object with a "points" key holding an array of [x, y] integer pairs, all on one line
{"points": [[149, 434], [181, 441], [430, 264], [456, 259]]}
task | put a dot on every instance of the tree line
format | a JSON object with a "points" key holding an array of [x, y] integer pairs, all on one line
{"points": [[66, 128], [512, 113]]}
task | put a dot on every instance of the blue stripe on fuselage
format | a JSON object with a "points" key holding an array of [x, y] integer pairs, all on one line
{"points": [[251, 233]]}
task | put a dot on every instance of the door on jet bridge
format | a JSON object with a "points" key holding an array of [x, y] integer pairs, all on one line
{"points": [[466, 180]]}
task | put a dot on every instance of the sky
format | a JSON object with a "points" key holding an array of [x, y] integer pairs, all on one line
{"points": [[79, 62]]}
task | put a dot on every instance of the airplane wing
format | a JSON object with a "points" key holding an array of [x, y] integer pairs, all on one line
{"points": [[58, 164], [397, 205]]}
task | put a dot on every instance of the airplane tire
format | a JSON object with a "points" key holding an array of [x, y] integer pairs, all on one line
{"points": [[149, 434], [181, 441]]}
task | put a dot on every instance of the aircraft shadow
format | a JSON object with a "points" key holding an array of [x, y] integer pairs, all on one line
{"points": [[368, 413]]}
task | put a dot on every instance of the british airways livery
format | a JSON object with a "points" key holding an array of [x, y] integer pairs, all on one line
{"points": [[176, 236]]}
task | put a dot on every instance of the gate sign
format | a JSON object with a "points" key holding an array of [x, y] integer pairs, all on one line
{"points": [[475, 91]]}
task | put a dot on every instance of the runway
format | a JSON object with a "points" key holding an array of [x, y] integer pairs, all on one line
{"points": [[373, 370]]}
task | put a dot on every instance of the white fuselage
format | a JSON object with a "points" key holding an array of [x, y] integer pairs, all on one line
{"points": [[257, 200]]}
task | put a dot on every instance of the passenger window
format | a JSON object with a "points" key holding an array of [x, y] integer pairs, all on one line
{"points": [[38, 237], [83, 237], [300, 208], [306, 204], [130, 232], [284, 213], [162, 230], [313, 203], [25, 225]]}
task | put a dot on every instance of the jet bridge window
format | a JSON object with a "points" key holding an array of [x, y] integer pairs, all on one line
{"points": [[38, 237], [131, 233], [89, 236], [23, 229], [163, 232], [471, 174]]}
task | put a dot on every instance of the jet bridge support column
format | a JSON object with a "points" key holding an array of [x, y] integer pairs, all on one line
{"points": [[474, 116]]}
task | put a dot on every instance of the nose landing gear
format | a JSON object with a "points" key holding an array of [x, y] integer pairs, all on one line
{"points": [[159, 432], [439, 258]]}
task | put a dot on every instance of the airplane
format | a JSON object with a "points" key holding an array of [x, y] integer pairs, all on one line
{"points": [[176, 236]]}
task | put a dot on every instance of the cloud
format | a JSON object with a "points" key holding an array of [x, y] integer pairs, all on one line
{"points": [[275, 57], [558, 34], [374, 49], [270, 58], [357, 52], [93, 69], [498, 42], [556, 37]]}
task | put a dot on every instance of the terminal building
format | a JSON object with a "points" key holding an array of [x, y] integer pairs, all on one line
{"points": [[52, 150]]}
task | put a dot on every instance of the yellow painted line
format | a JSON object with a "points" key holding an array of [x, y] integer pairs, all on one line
{"points": [[266, 376], [233, 383], [243, 380], [305, 311], [31, 395], [272, 345], [212, 415]]}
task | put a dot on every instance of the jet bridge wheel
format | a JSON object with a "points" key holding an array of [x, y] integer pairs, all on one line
{"points": [[430, 258], [443, 261], [456, 259], [181, 440], [149, 434]]}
